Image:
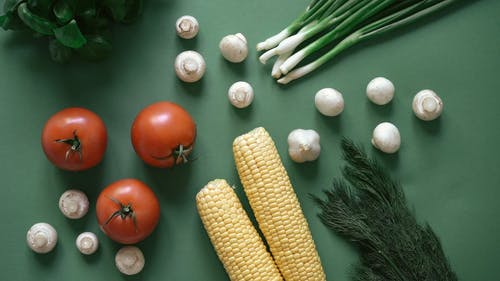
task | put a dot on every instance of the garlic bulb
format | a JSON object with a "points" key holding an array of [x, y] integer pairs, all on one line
{"points": [[240, 94], [41, 238], [187, 27], [303, 145], [129, 260], [74, 204], [380, 90], [234, 47], [329, 102], [427, 105], [87, 243], [386, 137], [189, 66]]}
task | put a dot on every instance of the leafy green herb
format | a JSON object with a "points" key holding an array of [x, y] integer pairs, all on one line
{"points": [[369, 209], [38, 24], [97, 48], [58, 52], [70, 35], [11, 5], [72, 26], [63, 11]]}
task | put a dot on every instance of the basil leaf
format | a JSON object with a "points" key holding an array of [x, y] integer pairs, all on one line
{"points": [[40, 7], [38, 24], [11, 5], [70, 35], [97, 48], [117, 8], [58, 52], [10, 21], [63, 11], [3, 19]]}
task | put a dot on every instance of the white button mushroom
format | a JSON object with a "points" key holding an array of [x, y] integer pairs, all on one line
{"points": [[329, 102], [41, 238], [380, 90], [187, 27], [129, 260], [240, 94], [189, 66], [74, 204], [87, 243], [303, 145], [234, 47], [427, 105], [386, 137]]}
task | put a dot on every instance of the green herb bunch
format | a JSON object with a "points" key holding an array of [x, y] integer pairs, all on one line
{"points": [[369, 209], [72, 26]]}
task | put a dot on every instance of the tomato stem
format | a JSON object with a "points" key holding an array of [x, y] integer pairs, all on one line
{"points": [[123, 212], [75, 146], [181, 152]]}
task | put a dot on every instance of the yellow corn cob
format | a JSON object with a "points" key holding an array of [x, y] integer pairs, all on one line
{"points": [[276, 207], [237, 243]]}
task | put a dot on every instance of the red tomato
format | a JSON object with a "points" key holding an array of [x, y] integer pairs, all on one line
{"points": [[163, 134], [127, 211], [74, 139]]}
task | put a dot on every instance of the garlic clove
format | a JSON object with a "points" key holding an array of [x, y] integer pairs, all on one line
{"points": [[187, 27], [129, 260], [74, 204], [189, 66], [329, 102], [386, 137], [427, 105], [303, 145], [41, 238], [240, 94], [380, 90], [87, 243], [234, 47]]}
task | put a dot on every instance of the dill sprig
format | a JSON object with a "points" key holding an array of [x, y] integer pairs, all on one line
{"points": [[369, 209]]}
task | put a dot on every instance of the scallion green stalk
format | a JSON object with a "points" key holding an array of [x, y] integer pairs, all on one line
{"points": [[390, 22]]}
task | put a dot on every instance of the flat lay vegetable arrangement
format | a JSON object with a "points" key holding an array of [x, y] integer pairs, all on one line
{"points": [[261, 213]]}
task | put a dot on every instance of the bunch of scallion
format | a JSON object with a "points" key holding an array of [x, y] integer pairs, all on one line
{"points": [[342, 23]]}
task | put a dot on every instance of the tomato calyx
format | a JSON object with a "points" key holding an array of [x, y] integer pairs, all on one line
{"points": [[124, 212], [75, 146], [180, 152]]}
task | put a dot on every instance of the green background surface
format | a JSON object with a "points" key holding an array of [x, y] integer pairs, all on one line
{"points": [[449, 167]]}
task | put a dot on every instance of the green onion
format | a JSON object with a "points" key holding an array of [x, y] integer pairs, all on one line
{"points": [[327, 21]]}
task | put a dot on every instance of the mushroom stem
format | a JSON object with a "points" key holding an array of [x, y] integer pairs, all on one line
{"points": [[40, 239], [190, 65], [429, 104]]}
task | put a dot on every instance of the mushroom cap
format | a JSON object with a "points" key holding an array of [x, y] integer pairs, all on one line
{"points": [[427, 105], [240, 94], [187, 27], [380, 90], [41, 238], [234, 47], [87, 243], [386, 137], [74, 204], [329, 102], [129, 260], [190, 66]]}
